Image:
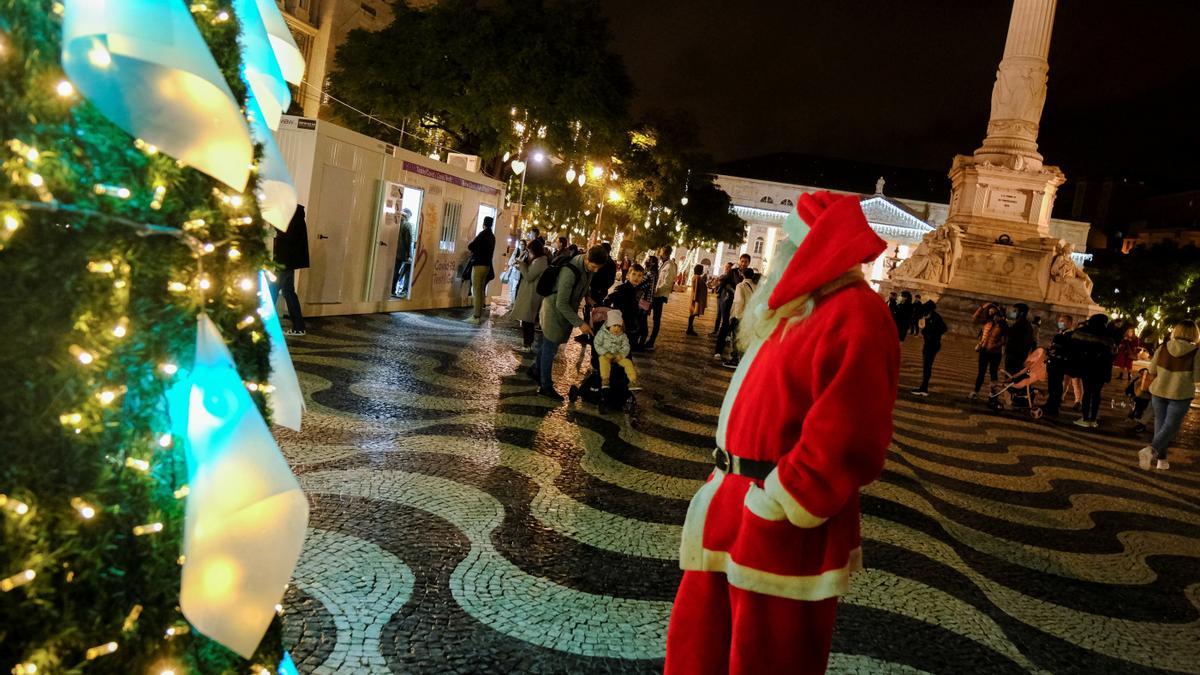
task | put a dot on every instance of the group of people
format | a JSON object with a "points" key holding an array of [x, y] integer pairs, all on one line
{"points": [[1079, 359]]}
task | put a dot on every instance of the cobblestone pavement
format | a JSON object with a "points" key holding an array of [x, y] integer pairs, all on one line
{"points": [[460, 523]]}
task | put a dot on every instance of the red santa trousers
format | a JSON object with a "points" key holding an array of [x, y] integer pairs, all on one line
{"points": [[717, 628]]}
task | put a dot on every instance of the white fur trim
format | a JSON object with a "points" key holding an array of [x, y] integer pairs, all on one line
{"points": [[807, 588], [796, 514], [760, 504], [691, 545]]}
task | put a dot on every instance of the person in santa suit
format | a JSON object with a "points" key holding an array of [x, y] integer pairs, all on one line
{"points": [[771, 539]]}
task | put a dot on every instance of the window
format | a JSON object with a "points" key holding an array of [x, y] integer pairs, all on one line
{"points": [[368, 9], [758, 246], [767, 200], [451, 215], [787, 202]]}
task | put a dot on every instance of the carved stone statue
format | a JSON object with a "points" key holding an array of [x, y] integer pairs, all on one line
{"points": [[935, 257], [1068, 283], [879, 185]]}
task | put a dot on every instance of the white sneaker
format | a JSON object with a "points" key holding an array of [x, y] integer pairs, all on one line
{"points": [[918, 392], [718, 357], [1094, 424], [1082, 423], [1163, 465], [972, 396], [1144, 456]]}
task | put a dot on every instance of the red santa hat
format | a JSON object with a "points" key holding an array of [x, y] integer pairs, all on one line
{"points": [[839, 239]]}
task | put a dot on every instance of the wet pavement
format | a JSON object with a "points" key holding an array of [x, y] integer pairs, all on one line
{"points": [[461, 523]]}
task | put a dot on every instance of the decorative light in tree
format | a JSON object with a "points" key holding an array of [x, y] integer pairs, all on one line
{"points": [[571, 174], [144, 64], [538, 156], [582, 179], [597, 172], [285, 397], [518, 167], [246, 515]]}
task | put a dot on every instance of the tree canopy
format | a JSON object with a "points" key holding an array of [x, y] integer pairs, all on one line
{"points": [[536, 79], [1155, 284]]}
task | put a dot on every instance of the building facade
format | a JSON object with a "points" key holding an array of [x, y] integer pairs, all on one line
{"points": [[900, 222]]}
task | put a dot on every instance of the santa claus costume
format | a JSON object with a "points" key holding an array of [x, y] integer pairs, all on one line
{"points": [[771, 539]]}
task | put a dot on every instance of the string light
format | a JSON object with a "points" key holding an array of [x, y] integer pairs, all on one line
{"points": [[168, 368], [64, 89], [182, 492], [11, 223], [131, 619], [148, 528], [86, 511], [17, 580], [209, 247], [234, 253], [84, 356], [15, 505], [122, 328], [107, 396], [179, 628], [246, 321], [117, 191], [148, 148], [99, 56], [221, 17], [156, 201], [165, 441], [101, 650], [194, 224], [246, 284], [70, 419], [137, 464], [205, 283], [25, 669], [101, 266], [176, 287]]}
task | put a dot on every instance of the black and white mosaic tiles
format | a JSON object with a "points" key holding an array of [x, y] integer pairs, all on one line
{"points": [[461, 523]]}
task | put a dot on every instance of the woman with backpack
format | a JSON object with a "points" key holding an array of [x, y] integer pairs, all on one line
{"points": [[529, 303], [1174, 372], [991, 343]]}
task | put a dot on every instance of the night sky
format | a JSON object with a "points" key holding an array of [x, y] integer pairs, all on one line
{"points": [[908, 83]]}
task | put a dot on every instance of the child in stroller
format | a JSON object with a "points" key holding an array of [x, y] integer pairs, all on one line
{"points": [[1016, 390], [606, 386], [1139, 393]]}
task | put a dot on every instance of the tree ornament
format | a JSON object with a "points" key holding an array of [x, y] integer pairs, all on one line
{"points": [[260, 67], [145, 66], [246, 515], [276, 192], [287, 401], [289, 56]]}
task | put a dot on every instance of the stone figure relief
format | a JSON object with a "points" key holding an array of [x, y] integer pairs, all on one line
{"points": [[1068, 283], [1019, 92], [935, 258]]}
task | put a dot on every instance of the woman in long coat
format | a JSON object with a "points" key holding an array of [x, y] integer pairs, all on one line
{"points": [[699, 298], [529, 304]]}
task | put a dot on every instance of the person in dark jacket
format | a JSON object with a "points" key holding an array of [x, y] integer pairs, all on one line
{"points": [[935, 327], [482, 249], [992, 334], [291, 251], [1092, 351], [904, 314], [625, 298], [725, 292], [603, 279], [1021, 338]]}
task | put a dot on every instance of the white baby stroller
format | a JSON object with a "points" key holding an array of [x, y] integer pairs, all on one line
{"points": [[1016, 390]]}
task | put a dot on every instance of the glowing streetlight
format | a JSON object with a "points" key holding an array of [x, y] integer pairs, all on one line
{"points": [[597, 172], [539, 156]]}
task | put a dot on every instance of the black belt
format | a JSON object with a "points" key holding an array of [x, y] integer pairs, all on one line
{"points": [[740, 466]]}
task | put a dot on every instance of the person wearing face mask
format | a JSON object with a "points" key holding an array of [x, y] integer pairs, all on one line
{"points": [[772, 538], [1020, 338], [1092, 351], [992, 335], [1174, 372], [1057, 379]]}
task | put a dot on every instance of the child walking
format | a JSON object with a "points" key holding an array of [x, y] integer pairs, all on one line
{"points": [[612, 346]]}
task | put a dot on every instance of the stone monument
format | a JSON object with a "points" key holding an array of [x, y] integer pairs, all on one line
{"points": [[996, 244]]}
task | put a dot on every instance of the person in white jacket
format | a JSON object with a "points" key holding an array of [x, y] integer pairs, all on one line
{"points": [[612, 346], [741, 297], [667, 272]]}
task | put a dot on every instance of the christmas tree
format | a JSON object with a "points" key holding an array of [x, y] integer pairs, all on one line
{"points": [[110, 248]]}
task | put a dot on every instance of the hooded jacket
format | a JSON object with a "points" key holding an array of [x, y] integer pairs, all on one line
{"points": [[741, 296], [607, 343], [1176, 370], [815, 398]]}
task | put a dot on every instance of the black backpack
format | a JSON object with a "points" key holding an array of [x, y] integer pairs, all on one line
{"points": [[547, 284]]}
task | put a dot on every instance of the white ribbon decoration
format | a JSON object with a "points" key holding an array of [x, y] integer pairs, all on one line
{"points": [[276, 192], [291, 60], [246, 515], [285, 397], [260, 67], [144, 64]]}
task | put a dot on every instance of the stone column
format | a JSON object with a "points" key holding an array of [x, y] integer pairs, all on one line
{"points": [[1020, 90]]}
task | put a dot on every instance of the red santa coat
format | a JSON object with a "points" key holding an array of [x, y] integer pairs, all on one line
{"points": [[816, 398]]}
